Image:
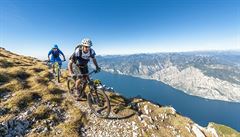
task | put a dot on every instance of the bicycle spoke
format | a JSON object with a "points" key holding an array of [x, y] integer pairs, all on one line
{"points": [[99, 103]]}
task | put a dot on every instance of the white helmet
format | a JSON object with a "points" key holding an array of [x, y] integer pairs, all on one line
{"points": [[86, 42]]}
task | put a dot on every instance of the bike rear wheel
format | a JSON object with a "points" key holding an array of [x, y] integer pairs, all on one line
{"points": [[99, 103]]}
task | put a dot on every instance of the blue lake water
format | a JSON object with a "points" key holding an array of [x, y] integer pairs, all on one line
{"points": [[200, 110]]}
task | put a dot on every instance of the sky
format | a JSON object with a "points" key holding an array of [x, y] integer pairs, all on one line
{"points": [[31, 27]]}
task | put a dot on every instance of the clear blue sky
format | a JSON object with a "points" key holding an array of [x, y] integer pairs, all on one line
{"points": [[31, 27]]}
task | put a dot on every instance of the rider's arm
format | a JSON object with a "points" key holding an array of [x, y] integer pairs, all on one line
{"points": [[95, 63], [49, 53], [62, 54], [70, 68]]}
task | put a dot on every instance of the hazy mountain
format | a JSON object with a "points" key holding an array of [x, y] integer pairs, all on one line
{"points": [[32, 104], [213, 75]]}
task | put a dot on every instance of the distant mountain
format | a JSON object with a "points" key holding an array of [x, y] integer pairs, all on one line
{"points": [[32, 104], [208, 74]]}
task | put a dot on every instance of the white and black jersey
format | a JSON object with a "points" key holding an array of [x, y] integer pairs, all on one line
{"points": [[81, 58]]}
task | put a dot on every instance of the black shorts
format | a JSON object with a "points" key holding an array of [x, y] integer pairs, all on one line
{"points": [[83, 69]]}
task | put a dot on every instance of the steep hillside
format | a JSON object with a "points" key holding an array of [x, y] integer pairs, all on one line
{"points": [[32, 104]]}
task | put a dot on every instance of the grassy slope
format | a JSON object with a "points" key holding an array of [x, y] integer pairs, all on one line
{"points": [[28, 82]]}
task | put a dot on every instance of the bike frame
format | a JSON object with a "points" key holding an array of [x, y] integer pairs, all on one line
{"points": [[86, 87]]}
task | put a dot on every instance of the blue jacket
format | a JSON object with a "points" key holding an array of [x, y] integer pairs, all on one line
{"points": [[55, 54]]}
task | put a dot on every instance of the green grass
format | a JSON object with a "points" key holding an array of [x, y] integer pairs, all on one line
{"points": [[225, 131]]}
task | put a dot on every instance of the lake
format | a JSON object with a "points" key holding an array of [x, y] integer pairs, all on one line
{"points": [[200, 110]]}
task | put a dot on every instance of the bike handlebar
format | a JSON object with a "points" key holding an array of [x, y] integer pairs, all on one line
{"points": [[49, 61]]}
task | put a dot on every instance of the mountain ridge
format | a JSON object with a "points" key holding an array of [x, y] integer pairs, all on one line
{"points": [[212, 76], [33, 104]]}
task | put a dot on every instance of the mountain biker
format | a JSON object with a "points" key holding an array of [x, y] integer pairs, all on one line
{"points": [[55, 56], [81, 57]]}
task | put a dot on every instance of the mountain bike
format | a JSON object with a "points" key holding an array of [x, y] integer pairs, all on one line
{"points": [[97, 99], [56, 70]]}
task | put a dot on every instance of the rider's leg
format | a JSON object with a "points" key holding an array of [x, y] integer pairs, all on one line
{"points": [[78, 87], [78, 82], [52, 60], [53, 70], [58, 59]]}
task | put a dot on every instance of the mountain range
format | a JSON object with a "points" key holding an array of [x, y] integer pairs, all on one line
{"points": [[33, 104], [208, 74]]}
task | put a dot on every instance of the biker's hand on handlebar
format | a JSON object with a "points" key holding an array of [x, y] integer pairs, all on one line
{"points": [[98, 69], [73, 76]]}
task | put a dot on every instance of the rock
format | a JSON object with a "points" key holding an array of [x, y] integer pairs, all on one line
{"points": [[3, 111], [196, 130], [173, 111], [10, 123], [140, 118], [3, 129], [146, 109], [45, 130], [188, 129], [211, 130], [28, 112]]}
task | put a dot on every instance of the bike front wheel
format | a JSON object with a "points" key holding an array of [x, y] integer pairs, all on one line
{"points": [[71, 86], [58, 75], [99, 103]]}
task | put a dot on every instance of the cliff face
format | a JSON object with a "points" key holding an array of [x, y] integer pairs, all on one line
{"points": [[207, 75], [33, 104]]}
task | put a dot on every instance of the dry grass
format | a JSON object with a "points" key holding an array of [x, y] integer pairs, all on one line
{"points": [[225, 131], [4, 63], [6, 117], [42, 112], [22, 99], [29, 81], [14, 78], [77, 120], [14, 85]]}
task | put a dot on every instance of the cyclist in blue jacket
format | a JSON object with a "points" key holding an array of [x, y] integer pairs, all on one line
{"points": [[55, 55]]}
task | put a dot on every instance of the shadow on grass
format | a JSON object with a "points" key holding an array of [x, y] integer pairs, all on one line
{"points": [[22, 75], [57, 91], [4, 92], [24, 102], [6, 64], [37, 70], [4, 79]]}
